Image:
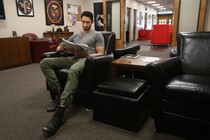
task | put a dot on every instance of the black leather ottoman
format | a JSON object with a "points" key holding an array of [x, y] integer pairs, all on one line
{"points": [[122, 102]]}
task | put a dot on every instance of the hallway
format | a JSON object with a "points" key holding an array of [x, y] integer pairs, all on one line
{"points": [[147, 50]]}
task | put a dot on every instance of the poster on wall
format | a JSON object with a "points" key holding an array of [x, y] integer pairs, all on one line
{"points": [[98, 16], [74, 20], [54, 12], [25, 8], [74, 10]]}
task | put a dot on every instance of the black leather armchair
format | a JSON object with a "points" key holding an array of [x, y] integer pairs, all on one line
{"points": [[95, 71], [180, 86]]}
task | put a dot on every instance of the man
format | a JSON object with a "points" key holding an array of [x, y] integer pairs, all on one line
{"points": [[95, 43]]}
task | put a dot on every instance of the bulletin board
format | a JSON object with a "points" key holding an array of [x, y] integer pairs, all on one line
{"points": [[73, 9]]}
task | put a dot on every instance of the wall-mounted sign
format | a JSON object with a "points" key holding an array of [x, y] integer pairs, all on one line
{"points": [[54, 12]]}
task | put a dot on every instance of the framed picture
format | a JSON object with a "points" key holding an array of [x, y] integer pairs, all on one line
{"points": [[54, 12], [25, 8]]}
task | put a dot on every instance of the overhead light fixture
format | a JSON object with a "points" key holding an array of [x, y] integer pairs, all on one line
{"points": [[165, 12], [155, 4], [150, 2]]}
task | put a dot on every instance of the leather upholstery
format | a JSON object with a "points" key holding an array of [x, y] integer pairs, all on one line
{"points": [[124, 87], [39, 46], [122, 102], [123, 51], [181, 85], [173, 52]]}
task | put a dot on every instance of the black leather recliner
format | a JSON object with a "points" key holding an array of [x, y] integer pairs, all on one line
{"points": [[180, 87], [95, 71]]}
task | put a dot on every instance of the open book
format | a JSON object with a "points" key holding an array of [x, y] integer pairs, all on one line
{"points": [[74, 46]]}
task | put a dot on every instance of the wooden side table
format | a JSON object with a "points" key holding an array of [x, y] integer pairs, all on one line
{"points": [[137, 64]]}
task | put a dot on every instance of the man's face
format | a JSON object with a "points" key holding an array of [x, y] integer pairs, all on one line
{"points": [[86, 23]]}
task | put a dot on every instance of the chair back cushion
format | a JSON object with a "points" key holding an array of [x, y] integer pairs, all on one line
{"points": [[193, 50], [31, 36], [109, 40]]}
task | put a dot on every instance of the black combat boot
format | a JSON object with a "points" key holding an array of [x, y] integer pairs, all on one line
{"points": [[56, 103], [57, 120]]}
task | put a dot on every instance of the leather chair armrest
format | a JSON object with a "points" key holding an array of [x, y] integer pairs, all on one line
{"points": [[95, 71], [158, 74], [163, 70], [100, 59], [56, 54], [127, 50]]}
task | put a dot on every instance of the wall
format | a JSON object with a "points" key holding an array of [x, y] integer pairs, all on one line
{"points": [[36, 24], [186, 15]]}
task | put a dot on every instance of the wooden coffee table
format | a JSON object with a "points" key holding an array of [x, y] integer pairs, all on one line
{"points": [[137, 64]]}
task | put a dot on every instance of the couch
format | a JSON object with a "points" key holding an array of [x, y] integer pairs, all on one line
{"points": [[161, 35], [180, 87], [40, 45]]}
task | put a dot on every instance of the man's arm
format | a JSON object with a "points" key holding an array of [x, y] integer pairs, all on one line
{"points": [[99, 51]]}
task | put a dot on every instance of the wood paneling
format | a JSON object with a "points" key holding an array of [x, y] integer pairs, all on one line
{"points": [[15, 51]]}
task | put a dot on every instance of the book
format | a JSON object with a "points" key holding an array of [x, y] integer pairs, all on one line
{"points": [[130, 56], [75, 46]]}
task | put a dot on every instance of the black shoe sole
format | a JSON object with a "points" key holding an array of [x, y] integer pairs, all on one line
{"points": [[48, 132]]}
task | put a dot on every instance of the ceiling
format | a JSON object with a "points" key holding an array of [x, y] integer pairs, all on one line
{"points": [[168, 4]]}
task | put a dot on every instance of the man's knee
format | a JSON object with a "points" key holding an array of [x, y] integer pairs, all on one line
{"points": [[44, 63], [74, 71]]}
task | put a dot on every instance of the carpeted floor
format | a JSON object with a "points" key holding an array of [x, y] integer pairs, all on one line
{"points": [[146, 49], [24, 99]]}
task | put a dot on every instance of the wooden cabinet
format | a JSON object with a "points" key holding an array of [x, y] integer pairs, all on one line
{"points": [[15, 51], [58, 35]]}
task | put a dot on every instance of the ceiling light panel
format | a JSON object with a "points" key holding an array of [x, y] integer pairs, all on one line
{"points": [[151, 2]]}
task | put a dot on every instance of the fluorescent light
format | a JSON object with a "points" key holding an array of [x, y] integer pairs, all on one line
{"points": [[165, 12], [151, 2], [155, 4]]}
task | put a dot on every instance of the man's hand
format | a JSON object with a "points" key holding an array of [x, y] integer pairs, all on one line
{"points": [[60, 48]]}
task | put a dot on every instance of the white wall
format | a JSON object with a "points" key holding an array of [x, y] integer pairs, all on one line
{"points": [[36, 24], [187, 20]]}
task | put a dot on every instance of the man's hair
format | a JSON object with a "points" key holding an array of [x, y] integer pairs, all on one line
{"points": [[87, 14]]}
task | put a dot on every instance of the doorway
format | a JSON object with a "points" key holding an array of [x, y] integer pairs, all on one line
{"points": [[128, 24]]}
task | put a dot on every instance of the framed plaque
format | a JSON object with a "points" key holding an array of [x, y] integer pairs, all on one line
{"points": [[54, 12], [25, 8]]}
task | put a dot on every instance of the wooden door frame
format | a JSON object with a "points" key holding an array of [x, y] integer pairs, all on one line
{"points": [[120, 43]]}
